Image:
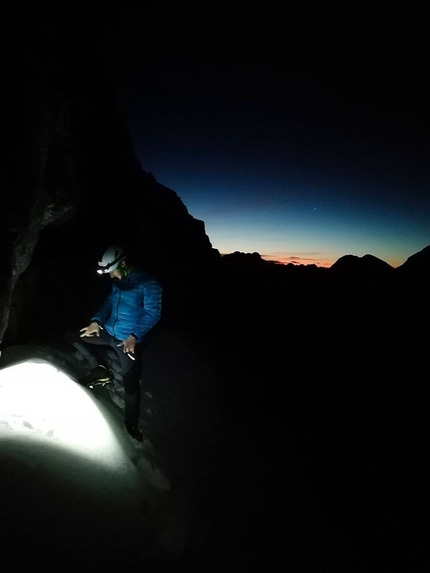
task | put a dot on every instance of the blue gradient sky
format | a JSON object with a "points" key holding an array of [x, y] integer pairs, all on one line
{"points": [[303, 155]]}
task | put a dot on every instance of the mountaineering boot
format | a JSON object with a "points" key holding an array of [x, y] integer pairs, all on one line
{"points": [[99, 376], [134, 431]]}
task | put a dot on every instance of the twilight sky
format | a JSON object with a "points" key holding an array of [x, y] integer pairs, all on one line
{"points": [[303, 137]]}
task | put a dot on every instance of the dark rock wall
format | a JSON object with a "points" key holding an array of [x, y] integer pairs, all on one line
{"points": [[72, 184]]}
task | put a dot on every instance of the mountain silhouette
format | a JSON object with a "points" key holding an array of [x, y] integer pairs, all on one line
{"points": [[417, 265], [367, 264]]}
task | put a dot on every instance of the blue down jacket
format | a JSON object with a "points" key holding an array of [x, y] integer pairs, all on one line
{"points": [[132, 306]]}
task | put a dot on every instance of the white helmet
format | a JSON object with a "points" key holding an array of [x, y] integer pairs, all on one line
{"points": [[111, 260]]}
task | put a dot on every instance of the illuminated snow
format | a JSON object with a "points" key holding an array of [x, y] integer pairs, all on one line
{"points": [[40, 402]]}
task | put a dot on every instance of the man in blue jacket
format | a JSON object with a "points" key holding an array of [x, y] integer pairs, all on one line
{"points": [[119, 328]]}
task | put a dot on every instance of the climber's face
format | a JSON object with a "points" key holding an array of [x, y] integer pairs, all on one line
{"points": [[116, 274]]}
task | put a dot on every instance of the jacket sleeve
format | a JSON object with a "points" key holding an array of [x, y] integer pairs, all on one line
{"points": [[104, 311], [150, 312]]}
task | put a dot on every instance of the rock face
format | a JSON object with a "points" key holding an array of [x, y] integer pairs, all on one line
{"points": [[71, 182]]}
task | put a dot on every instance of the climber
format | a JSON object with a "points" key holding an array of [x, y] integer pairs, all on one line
{"points": [[120, 328]]}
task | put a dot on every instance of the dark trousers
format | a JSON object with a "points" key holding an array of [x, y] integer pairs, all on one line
{"points": [[104, 350]]}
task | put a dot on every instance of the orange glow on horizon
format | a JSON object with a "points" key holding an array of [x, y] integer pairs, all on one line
{"points": [[299, 260], [311, 260], [295, 260]]}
